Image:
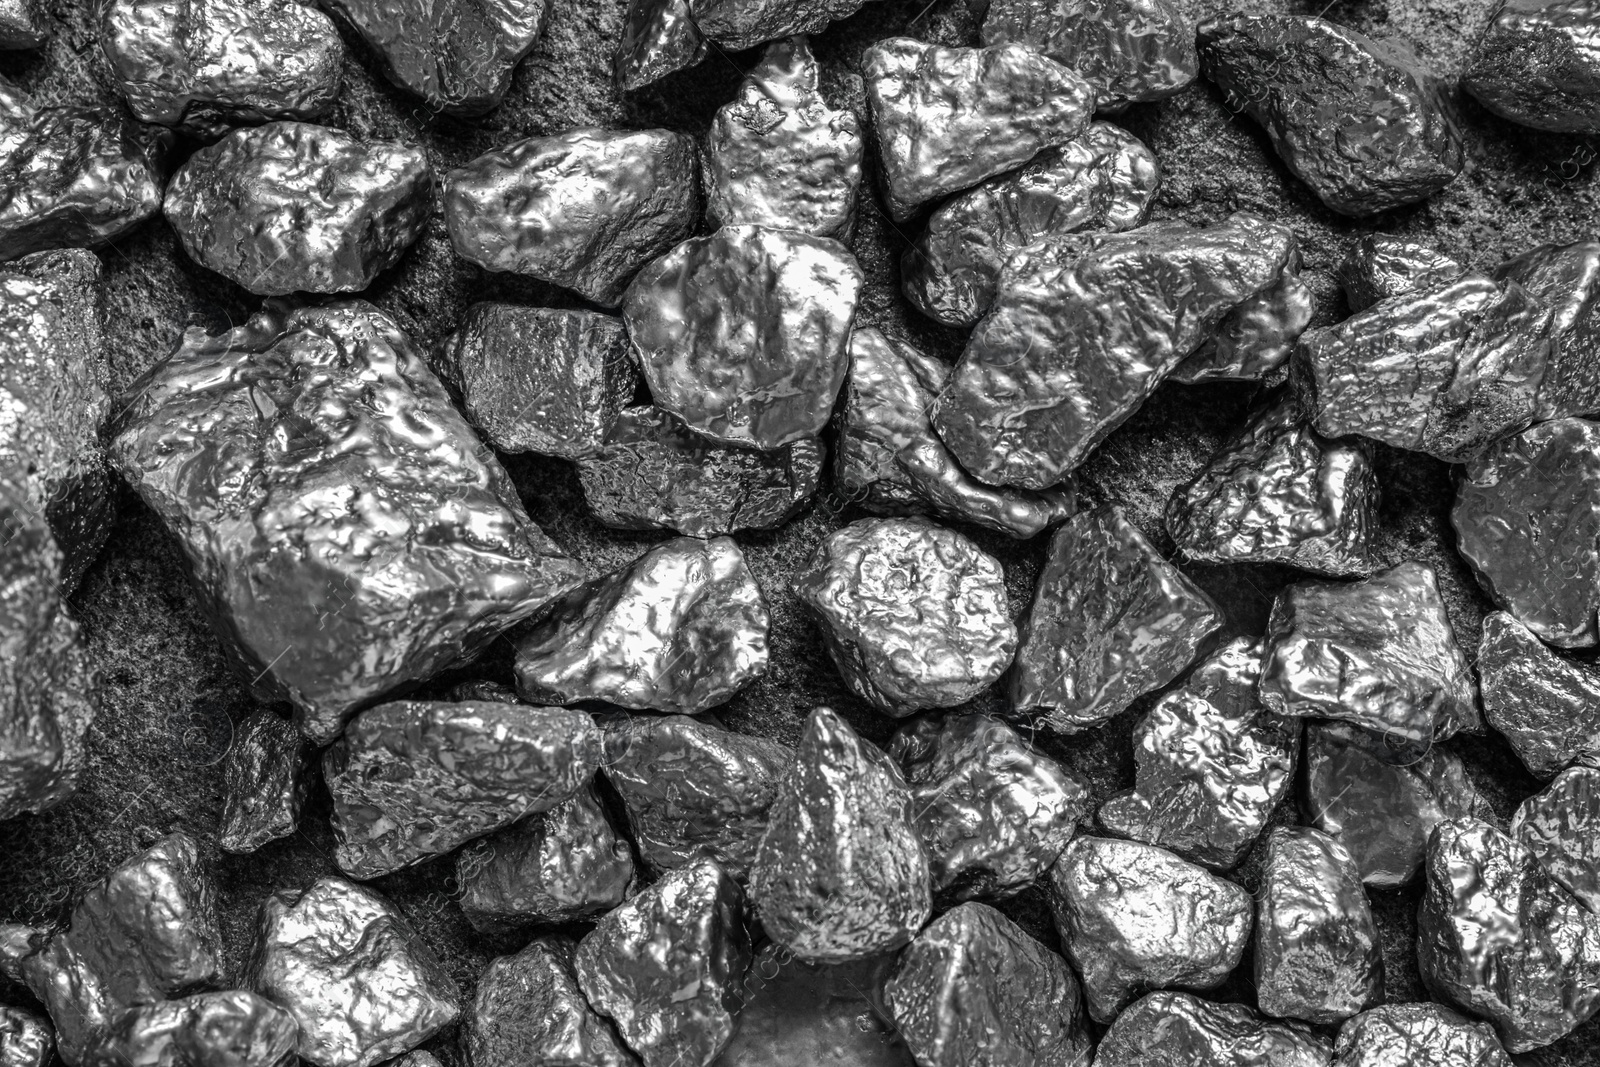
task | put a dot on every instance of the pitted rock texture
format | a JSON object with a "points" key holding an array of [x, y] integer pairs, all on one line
{"points": [[1417, 1035], [530, 1010], [269, 774], [1380, 266], [1538, 64], [1558, 826], [235, 1028], [1181, 1030], [1546, 706]]}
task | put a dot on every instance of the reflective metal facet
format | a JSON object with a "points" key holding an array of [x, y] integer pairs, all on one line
{"points": [[1538, 64], [1169, 1029], [529, 1010], [1546, 706], [1417, 1035], [269, 774]]}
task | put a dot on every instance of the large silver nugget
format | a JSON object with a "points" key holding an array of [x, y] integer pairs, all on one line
{"points": [[1559, 827], [1545, 705], [1380, 266], [1537, 64], [1181, 1030], [1417, 1035], [529, 1011]]}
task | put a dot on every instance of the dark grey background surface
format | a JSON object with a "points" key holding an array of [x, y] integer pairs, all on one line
{"points": [[168, 702]]}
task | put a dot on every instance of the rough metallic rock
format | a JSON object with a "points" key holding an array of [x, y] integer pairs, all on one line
{"points": [[235, 1028], [567, 864], [1135, 918], [1382, 814], [1558, 827], [53, 401], [583, 209], [388, 529], [414, 779], [1082, 332], [1538, 64], [543, 380], [779, 156], [840, 873], [800, 1014], [530, 1011], [975, 989], [1103, 180], [1180, 1030], [1279, 492], [1380, 266], [668, 965], [18, 26], [481, 689], [914, 615], [457, 57], [1497, 936], [889, 461], [1445, 370], [743, 334], [692, 788], [1379, 654], [1527, 521], [682, 628], [1360, 121], [658, 37], [1317, 955], [738, 24], [26, 1039], [1417, 1035], [145, 932], [1212, 764], [993, 812], [1129, 51], [1256, 338], [1546, 706], [1566, 278], [355, 975], [947, 118], [293, 207], [1110, 620], [210, 64], [653, 474], [269, 775], [72, 176]]}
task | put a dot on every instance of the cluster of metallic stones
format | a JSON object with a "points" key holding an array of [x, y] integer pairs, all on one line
{"points": [[353, 533]]}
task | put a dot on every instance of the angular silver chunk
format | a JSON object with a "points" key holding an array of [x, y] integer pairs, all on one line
{"points": [[1257, 337], [1559, 826], [658, 38], [26, 1039], [529, 1011], [235, 1028], [1180, 1030], [1566, 278], [269, 774], [1546, 706], [1417, 1035], [1537, 64], [738, 24], [1380, 266]]}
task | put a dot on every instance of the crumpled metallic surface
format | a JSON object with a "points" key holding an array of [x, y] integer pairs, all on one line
{"points": [[529, 1010], [1445, 370], [18, 26], [840, 873], [1498, 937], [1379, 654], [26, 1039], [72, 176], [668, 966], [653, 474], [235, 1028], [1382, 814], [145, 932], [692, 788], [1110, 620], [1559, 827], [1566, 278], [1135, 918], [53, 401], [1129, 51], [1279, 492], [888, 460], [743, 334], [1317, 955], [1546, 706], [269, 775], [1538, 64], [1181, 1030], [1360, 121], [414, 779], [682, 628], [293, 207], [457, 56], [584, 209], [1380, 266], [1417, 1035], [658, 37], [974, 988], [914, 615], [779, 156], [386, 528], [1104, 179], [1212, 763], [738, 24], [1083, 330], [209, 64], [800, 1014], [1257, 337], [355, 975], [563, 865], [947, 118], [543, 380], [1527, 521]]}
